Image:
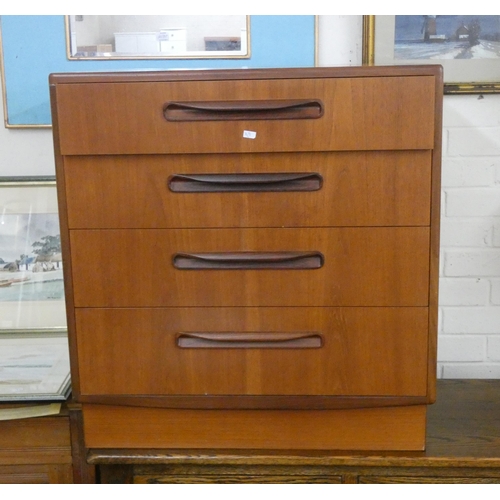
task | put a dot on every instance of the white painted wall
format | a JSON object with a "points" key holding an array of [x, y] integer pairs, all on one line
{"points": [[469, 331], [340, 40]]}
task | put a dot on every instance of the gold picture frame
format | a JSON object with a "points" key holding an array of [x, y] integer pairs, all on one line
{"points": [[461, 76]]}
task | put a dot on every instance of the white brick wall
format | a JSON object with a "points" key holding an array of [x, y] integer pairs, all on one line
{"points": [[469, 297]]}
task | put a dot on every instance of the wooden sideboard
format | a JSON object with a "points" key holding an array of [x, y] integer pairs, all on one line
{"points": [[463, 446]]}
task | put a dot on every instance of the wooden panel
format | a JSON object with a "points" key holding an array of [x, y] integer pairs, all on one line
{"points": [[246, 478], [35, 450], [367, 429], [427, 480], [359, 189], [35, 440], [359, 114], [361, 354], [362, 266], [36, 474]]}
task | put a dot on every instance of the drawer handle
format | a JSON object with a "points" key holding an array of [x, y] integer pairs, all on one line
{"points": [[216, 183], [286, 109], [249, 260], [250, 340]]}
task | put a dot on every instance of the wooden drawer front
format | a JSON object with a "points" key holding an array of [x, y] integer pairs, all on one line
{"points": [[361, 352], [349, 189], [366, 113], [350, 266], [400, 428]]}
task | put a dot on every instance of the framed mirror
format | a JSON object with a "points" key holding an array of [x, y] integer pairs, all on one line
{"points": [[157, 37], [26, 61]]}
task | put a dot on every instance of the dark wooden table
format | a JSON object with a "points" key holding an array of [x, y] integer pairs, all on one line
{"points": [[463, 446]]}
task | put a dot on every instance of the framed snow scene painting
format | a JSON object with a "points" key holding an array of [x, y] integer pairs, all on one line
{"points": [[467, 46]]}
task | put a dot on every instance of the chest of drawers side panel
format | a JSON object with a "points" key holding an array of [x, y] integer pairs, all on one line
{"points": [[65, 245], [435, 207]]}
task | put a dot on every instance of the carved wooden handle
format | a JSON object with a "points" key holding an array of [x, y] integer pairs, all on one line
{"points": [[249, 260], [280, 109], [224, 183], [250, 340]]}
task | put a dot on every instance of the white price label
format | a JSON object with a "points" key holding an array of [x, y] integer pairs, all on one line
{"points": [[249, 134]]}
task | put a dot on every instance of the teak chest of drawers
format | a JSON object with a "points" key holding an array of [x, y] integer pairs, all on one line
{"points": [[251, 256]]}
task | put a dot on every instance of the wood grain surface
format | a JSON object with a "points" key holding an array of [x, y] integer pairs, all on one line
{"points": [[89, 116], [360, 356], [359, 189], [362, 267], [372, 428]]}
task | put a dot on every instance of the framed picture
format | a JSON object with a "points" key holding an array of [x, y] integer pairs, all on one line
{"points": [[31, 275], [34, 367], [468, 47], [34, 353]]}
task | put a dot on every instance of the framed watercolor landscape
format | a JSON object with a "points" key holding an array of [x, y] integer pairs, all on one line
{"points": [[34, 356], [31, 279], [467, 46]]}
